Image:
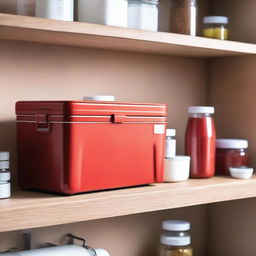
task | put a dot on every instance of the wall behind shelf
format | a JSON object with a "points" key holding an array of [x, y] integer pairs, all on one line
{"points": [[136, 235]]}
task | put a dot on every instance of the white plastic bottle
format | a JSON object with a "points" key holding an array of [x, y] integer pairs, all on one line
{"points": [[55, 9], [170, 143]]}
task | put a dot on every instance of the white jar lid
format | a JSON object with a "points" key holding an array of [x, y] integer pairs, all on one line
{"points": [[200, 110], [170, 132], [100, 98], [231, 143], [215, 20], [176, 225], [4, 165], [5, 176], [175, 240], [4, 156]]}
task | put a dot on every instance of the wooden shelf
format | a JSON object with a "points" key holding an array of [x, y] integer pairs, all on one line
{"points": [[29, 210], [31, 29]]}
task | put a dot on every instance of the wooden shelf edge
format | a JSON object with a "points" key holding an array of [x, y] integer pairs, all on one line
{"points": [[77, 34], [30, 210]]}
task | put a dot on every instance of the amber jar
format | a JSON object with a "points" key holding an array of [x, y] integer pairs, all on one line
{"points": [[230, 153], [183, 17]]}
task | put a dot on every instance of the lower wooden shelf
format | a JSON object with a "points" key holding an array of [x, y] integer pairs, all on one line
{"points": [[29, 209]]}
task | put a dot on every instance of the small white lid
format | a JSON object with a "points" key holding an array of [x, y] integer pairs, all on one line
{"points": [[200, 110], [241, 169], [175, 240], [4, 165], [100, 98], [179, 158], [170, 132], [101, 252], [5, 176], [215, 20], [4, 156], [176, 225], [231, 143]]}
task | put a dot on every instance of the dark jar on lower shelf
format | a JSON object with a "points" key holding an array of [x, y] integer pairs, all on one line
{"points": [[231, 153]]}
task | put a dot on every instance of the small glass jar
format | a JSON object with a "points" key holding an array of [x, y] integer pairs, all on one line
{"points": [[183, 17], [177, 240], [143, 14], [170, 143], [5, 175], [216, 27], [231, 153]]}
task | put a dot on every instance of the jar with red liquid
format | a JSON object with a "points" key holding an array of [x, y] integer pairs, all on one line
{"points": [[200, 141], [231, 153]]}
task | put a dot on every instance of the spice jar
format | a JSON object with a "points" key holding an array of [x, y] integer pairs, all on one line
{"points": [[231, 153], [143, 14], [216, 27], [200, 141], [170, 143], [183, 17], [176, 241], [105, 12], [55, 9]]}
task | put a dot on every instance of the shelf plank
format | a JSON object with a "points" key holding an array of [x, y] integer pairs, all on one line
{"points": [[31, 29], [29, 209]]}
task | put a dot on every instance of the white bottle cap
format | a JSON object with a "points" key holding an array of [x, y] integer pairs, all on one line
{"points": [[101, 252], [215, 20], [100, 98], [175, 240], [176, 225], [5, 190], [170, 132], [4, 165], [4, 156], [5, 176], [231, 143], [200, 110]]}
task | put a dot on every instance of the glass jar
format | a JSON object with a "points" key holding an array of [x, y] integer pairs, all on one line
{"points": [[231, 153], [183, 17], [200, 142], [177, 240], [143, 14], [170, 143], [216, 27]]}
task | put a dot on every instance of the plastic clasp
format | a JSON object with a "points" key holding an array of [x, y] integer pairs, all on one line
{"points": [[118, 118], [42, 124]]}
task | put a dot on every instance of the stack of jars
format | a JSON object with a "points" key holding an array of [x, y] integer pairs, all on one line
{"points": [[5, 175]]}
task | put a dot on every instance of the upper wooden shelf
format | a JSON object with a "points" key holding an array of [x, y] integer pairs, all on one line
{"points": [[31, 29], [29, 210]]}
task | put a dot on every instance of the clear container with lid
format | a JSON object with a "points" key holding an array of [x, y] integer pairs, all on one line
{"points": [[143, 14], [216, 27], [231, 153], [200, 141], [170, 143], [5, 175], [176, 241], [183, 17]]}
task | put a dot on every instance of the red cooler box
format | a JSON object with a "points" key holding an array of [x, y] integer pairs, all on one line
{"points": [[70, 147]]}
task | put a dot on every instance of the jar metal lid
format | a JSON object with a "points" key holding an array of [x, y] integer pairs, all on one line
{"points": [[4, 156], [176, 225], [200, 110], [100, 98], [231, 143], [144, 1], [175, 240], [4, 165], [215, 20], [170, 132]]}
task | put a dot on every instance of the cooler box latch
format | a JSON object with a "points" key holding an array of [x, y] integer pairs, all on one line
{"points": [[118, 118], [42, 124]]}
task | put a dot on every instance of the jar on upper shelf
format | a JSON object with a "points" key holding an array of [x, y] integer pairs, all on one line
{"points": [[183, 17], [216, 27], [143, 14]]}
